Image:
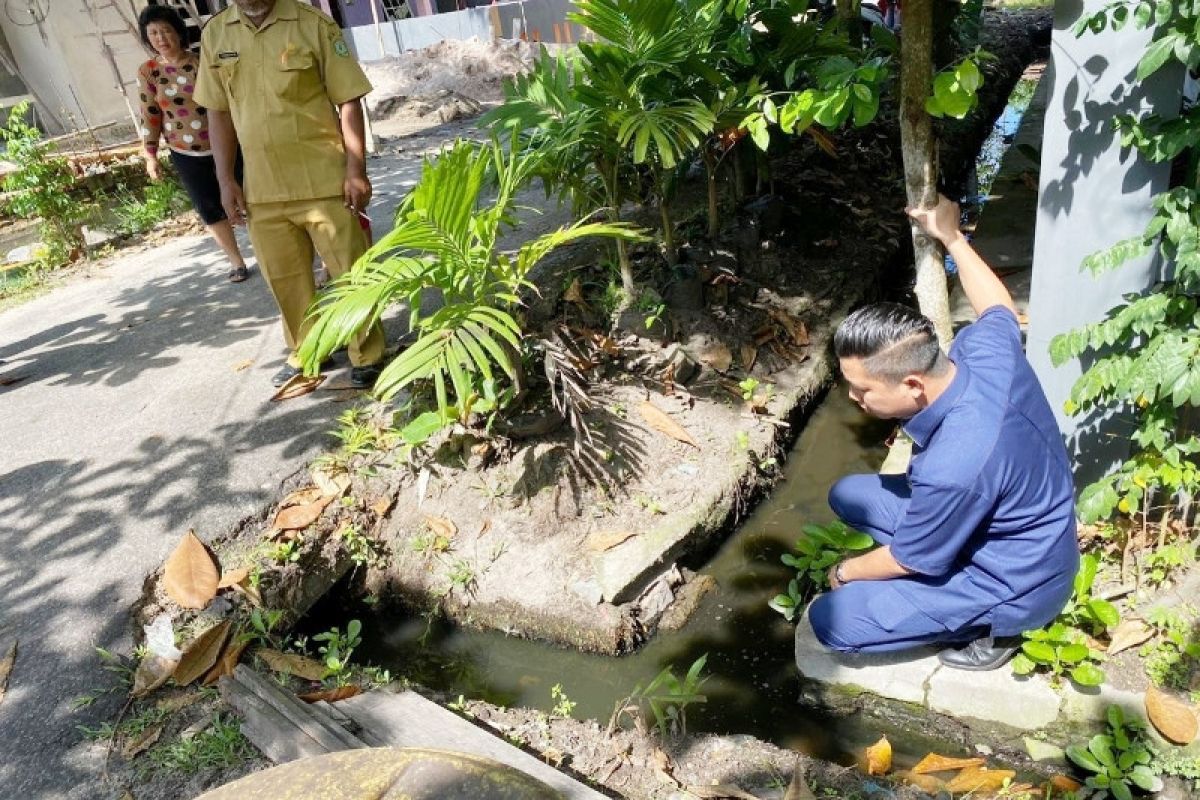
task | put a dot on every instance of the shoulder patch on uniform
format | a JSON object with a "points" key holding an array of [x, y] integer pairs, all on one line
{"points": [[340, 48]]}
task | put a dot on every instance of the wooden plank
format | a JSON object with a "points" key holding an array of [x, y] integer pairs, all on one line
{"points": [[340, 718], [406, 719], [319, 728], [266, 728]]}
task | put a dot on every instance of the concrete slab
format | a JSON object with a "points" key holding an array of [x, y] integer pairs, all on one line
{"points": [[996, 696], [900, 676]]}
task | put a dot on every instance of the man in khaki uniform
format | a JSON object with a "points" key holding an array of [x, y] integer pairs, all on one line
{"points": [[277, 78]]}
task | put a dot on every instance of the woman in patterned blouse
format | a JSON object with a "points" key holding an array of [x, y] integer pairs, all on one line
{"points": [[165, 86]]}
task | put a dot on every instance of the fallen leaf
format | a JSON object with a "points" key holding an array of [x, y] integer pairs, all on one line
{"points": [[798, 788], [302, 497], [6, 665], [1130, 633], [190, 576], [663, 766], [1062, 783], [878, 757], [251, 593], [12, 380], [152, 672], [294, 518], [979, 779], [937, 763], [749, 356], [243, 365], [930, 784], [661, 422], [202, 653], [292, 664], [484, 527], [440, 526], [422, 485], [717, 791], [331, 695], [383, 505], [180, 701], [574, 293], [1171, 717], [606, 540], [331, 485], [228, 660], [717, 356], [230, 579], [142, 743], [297, 386], [796, 329]]}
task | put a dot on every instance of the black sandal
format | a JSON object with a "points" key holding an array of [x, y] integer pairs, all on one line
{"points": [[238, 274]]}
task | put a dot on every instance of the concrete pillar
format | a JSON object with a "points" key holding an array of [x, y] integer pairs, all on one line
{"points": [[1092, 193]]}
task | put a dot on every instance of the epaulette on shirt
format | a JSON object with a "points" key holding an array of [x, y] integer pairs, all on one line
{"points": [[304, 6], [222, 12]]}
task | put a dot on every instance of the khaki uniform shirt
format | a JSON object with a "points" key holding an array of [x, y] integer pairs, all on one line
{"points": [[281, 83]]}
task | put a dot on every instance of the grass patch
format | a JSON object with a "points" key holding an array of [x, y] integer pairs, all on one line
{"points": [[218, 747]]}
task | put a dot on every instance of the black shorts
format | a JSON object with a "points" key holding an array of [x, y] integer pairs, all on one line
{"points": [[198, 174]]}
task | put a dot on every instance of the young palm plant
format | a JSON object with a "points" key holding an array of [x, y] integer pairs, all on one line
{"points": [[445, 239]]}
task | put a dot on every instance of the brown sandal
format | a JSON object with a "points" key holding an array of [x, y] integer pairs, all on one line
{"points": [[238, 274]]}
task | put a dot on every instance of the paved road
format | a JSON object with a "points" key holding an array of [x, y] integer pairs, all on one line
{"points": [[132, 424]]}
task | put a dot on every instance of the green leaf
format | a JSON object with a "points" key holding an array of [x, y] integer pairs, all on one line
{"points": [[1104, 611], [1084, 759], [1155, 56], [1073, 653], [1039, 651], [1120, 790], [1087, 675], [1022, 664]]}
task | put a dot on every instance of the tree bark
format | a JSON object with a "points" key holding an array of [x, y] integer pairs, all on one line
{"points": [[919, 149], [848, 16]]}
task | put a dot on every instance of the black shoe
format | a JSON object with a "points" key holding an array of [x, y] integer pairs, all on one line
{"points": [[365, 377], [981, 655], [287, 372]]}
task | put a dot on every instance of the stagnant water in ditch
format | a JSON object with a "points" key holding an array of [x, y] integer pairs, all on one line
{"points": [[753, 687]]}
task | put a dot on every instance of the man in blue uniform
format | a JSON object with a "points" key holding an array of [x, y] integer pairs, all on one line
{"points": [[978, 538]]}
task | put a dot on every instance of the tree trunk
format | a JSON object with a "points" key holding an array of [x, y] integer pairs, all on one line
{"points": [[848, 16], [609, 176], [920, 159], [714, 211]]}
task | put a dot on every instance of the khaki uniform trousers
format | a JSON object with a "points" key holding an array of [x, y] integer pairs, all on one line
{"points": [[284, 235]]}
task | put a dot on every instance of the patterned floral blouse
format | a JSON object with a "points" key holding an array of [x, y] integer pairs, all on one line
{"points": [[165, 91]]}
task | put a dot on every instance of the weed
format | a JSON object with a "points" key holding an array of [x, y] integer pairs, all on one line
{"points": [[613, 299], [667, 697], [748, 385], [563, 706], [459, 705], [337, 648], [1089, 614], [428, 543], [376, 677], [1061, 651], [159, 201], [491, 492], [363, 551], [1170, 660], [263, 623], [286, 552], [1119, 760], [462, 575], [816, 551], [219, 746], [132, 726], [649, 504], [741, 441]]}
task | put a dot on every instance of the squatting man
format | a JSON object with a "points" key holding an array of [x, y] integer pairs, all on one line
{"points": [[977, 540]]}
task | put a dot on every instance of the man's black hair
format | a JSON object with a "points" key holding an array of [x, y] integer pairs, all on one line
{"points": [[162, 13], [893, 341]]}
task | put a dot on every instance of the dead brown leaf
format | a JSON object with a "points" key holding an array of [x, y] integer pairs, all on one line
{"points": [[823, 141], [663, 766], [152, 672], [331, 695], [749, 356], [979, 779], [798, 788], [292, 664], [225, 664], [6, 666], [230, 579], [199, 657], [797, 330], [294, 518], [938, 763], [878, 757], [1064, 784], [718, 356], [717, 791], [383, 505], [12, 380], [250, 592], [142, 743], [1130, 633], [1173, 718], [930, 784], [440, 526], [601, 541], [180, 701], [243, 365], [297, 386], [662, 422], [331, 485], [302, 497], [190, 576], [574, 293]]}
